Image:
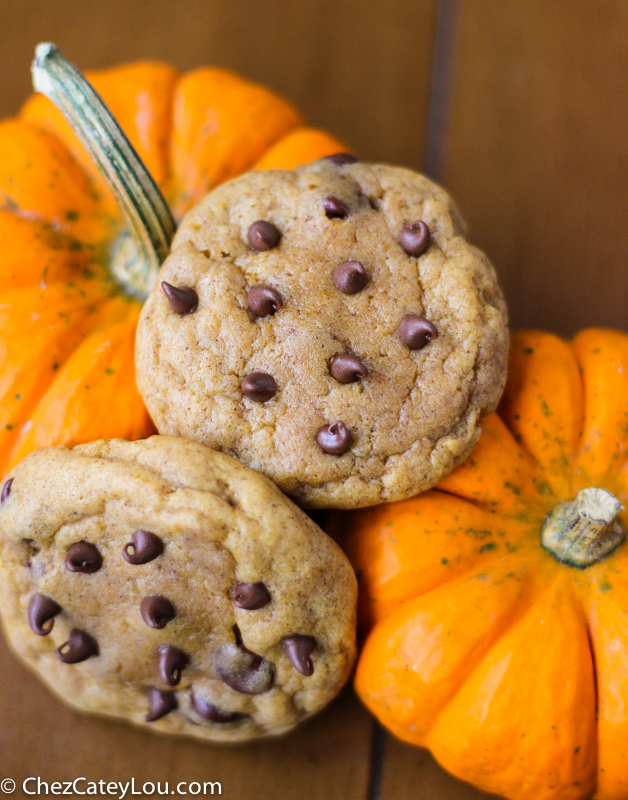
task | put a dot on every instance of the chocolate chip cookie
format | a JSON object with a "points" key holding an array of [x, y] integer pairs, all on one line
{"points": [[331, 327], [169, 585]]}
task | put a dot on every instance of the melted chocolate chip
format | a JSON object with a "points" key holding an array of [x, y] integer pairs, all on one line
{"points": [[263, 235], [334, 439], [262, 300], [79, 647], [350, 277], [183, 299], [415, 238], [415, 331], [335, 208], [171, 662], [212, 713], [259, 386], [6, 490], [160, 703], [346, 368], [41, 613], [242, 670], [250, 596], [157, 611], [83, 557], [342, 158], [143, 547], [298, 649]]}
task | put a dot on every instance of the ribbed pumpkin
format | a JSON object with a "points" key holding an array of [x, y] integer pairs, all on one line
{"points": [[71, 293], [497, 604]]}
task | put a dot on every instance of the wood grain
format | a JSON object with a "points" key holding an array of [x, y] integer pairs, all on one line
{"points": [[361, 70], [536, 154]]}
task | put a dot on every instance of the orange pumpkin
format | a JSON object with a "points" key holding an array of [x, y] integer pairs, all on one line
{"points": [[72, 278], [496, 605]]}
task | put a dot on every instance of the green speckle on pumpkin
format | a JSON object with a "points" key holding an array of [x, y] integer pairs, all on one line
{"points": [[444, 561], [487, 546], [528, 351], [605, 586]]}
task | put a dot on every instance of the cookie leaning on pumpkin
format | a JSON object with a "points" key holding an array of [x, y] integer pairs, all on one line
{"points": [[385, 329], [496, 605]]}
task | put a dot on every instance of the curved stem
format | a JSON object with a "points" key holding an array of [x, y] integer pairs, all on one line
{"points": [[583, 531], [137, 194]]}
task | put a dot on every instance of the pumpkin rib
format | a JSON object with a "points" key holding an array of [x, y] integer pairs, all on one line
{"points": [[445, 605], [558, 709], [213, 140], [298, 147]]}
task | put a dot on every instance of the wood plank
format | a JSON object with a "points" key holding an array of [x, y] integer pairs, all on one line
{"points": [[410, 773], [536, 154], [361, 70], [327, 757]]}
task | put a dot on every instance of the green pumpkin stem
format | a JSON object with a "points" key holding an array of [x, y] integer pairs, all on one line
{"points": [[139, 257], [583, 531]]}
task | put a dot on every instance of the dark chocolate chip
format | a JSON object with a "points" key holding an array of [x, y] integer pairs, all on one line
{"points": [[263, 235], [79, 647], [6, 490], [259, 386], [346, 368], [350, 277], [183, 299], [83, 557], [143, 547], [212, 713], [41, 613], [263, 300], [160, 703], [415, 238], [334, 439], [342, 158], [251, 596], [335, 208], [244, 671], [298, 649], [171, 662], [415, 331], [157, 611]]}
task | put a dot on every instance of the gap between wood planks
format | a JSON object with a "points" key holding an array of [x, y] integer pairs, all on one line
{"points": [[433, 162]]}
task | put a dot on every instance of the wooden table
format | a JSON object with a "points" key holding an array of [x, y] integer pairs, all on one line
{"points": [[520, 109]]}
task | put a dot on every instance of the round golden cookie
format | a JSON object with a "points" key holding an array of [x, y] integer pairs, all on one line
{"points": [[169, 585], [331, 327]]}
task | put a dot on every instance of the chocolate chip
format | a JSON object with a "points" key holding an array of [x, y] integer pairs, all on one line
{"points": [[334, 439], [415, 331], [143, 547], [83, 557], [251, 596], [6, 490], [171, 662], [415, 238], [41, 613], [335, 208], [211, 713], [157, 611], [350, 277], [79, 647], [259, 386], [242, 670], [160, 703], [342, 158], [298, 649], [346, 368], [183, 299], [262, 300], [263, 235]]}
